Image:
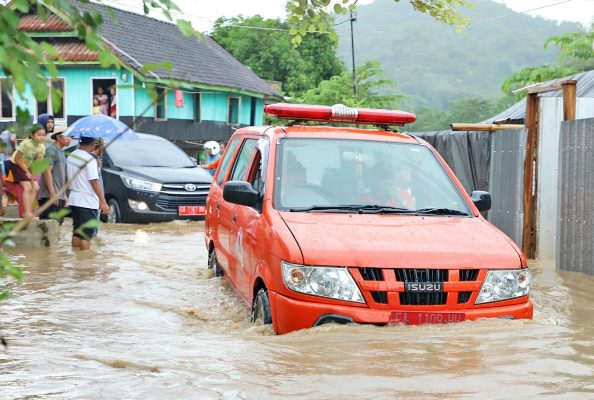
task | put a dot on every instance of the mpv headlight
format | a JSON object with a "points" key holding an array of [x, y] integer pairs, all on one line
{"points": [[138, 184], [332, 282], [504, 284]]}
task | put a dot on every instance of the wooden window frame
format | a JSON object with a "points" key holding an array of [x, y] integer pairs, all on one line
{"points": [[64, 116]]}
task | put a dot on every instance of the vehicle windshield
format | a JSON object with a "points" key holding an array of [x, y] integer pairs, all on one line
{"points": [[148, 153], [343, 175]]}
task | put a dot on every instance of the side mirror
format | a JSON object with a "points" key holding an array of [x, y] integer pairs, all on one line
{"points": [[242, 193], [482, 200]]}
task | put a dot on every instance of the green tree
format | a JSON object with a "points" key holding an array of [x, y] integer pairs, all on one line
{"points": [[463, 110], [265, 46], [577, 55], [370, 86], [307, 16]]}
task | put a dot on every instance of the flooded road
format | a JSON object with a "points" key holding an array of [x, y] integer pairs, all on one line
{"points": [[140, 317]]}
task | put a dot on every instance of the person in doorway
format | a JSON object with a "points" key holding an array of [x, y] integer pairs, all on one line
{"points": [[86, 197], [113, 112], [47, 122], [29, 151], [103, 101], [96, 106], [213, 155], [54, 178]]}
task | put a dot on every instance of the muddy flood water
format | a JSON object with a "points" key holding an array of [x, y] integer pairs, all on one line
{"points": [[141, 317]]}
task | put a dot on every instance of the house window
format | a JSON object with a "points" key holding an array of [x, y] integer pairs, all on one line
{"points": [[47, 106], [233, 110], [6, 99], [197, 107], [161, 104]]}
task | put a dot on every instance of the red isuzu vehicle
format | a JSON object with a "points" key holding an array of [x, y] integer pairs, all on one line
{"points": [[315, 224]]}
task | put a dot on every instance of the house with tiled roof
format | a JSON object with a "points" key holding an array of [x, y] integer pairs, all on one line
{"points": [[204, 96]]}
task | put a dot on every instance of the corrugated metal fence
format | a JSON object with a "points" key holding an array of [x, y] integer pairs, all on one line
{"points": [[506, 181], [491, 161], [575, 230]]}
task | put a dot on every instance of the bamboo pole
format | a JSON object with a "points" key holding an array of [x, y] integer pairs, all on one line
{"points": [[484, 127]]}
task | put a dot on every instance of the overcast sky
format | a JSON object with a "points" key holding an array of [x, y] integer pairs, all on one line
{"points": [[204, 12]]}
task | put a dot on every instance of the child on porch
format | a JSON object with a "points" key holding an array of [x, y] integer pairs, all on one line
{"points": [[96, 106]]}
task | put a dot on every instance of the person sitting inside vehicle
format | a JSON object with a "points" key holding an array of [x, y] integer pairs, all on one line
{"points": [[389, 188]]}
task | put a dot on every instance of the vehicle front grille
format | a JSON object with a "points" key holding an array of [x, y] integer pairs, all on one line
{"points": [[172, 196], [433, 289]]}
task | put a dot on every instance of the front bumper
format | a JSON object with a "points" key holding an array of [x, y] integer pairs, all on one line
{"points": [[289, 314]]}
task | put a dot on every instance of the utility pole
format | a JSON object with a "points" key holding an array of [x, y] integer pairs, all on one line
{"points": [[353, 19]]}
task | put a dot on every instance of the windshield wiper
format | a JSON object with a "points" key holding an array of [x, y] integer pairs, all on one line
{"points": [[440, 211], [357, 208]]}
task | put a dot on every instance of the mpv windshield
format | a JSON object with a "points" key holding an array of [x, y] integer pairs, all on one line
{"points": [[342, 175], [148, 153]]}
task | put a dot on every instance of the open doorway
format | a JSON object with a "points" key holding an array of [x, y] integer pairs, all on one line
{"points": [[101, 88]]}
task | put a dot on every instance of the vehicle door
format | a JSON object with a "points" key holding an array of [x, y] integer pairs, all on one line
{"points": [[216, 227], [228, 213], [244, 234]]}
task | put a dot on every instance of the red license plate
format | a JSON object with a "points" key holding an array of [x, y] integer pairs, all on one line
{"points": [[417, 318], [191, 210]]}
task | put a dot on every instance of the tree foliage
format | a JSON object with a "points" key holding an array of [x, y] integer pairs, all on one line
{"points": [[370, 86], [469, 110], [307, 16], [577, 55], [269, 53]]}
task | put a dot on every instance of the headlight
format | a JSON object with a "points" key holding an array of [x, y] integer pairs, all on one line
{"points": [[138, 184], [332, 282], [504, 284]]}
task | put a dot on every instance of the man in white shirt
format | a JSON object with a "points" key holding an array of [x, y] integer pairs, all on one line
{"points": [[85, 196]]}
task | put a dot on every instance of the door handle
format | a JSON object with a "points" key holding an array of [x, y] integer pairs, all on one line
{"points": [[219, 206], [234, 219]]}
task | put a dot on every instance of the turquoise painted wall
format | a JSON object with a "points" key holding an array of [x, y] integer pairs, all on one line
{"points": [[136, 102], [214, 106], [78, 90]]}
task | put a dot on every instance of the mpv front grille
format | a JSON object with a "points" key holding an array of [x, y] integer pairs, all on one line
{"points": [[172, 196], [422, 287]]}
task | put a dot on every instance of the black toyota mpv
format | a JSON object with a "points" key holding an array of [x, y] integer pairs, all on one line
{"points": [[150, 179]]}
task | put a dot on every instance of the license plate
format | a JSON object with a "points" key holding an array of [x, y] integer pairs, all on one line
{"points": [[417, 318], [191, 210]]}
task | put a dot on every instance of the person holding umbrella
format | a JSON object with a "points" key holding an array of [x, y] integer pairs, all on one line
{"points": [[86, 196]]}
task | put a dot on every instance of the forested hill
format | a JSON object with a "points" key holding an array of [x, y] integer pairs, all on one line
{"points": [[433, 64]]}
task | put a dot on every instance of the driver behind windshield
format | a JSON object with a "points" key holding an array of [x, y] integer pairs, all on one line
{"points": [[389, 186]]}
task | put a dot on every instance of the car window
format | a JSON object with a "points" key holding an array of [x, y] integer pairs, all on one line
{"points": [[242, 161], [334, 172], [148, 153], [227, 160]]}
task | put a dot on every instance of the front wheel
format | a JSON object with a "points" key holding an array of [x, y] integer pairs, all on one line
{"points": [[261, 314], [115, 215]]}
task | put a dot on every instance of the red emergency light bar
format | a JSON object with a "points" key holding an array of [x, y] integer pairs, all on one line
{"points": [[339, 113]]}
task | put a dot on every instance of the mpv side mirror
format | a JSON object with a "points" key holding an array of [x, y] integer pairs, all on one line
{"points": [[482, 200], [242, 193]]}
